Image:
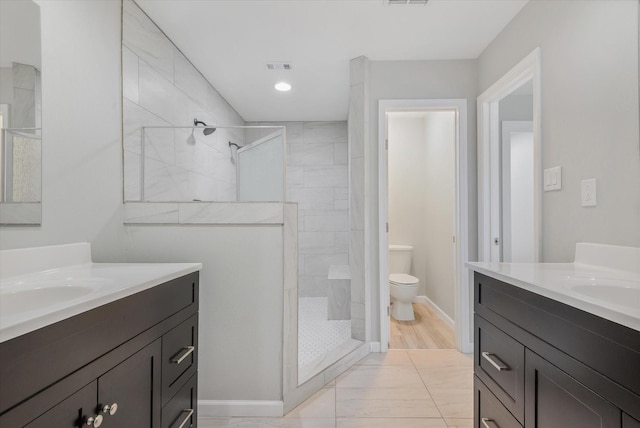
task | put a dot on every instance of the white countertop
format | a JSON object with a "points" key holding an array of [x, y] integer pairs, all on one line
{"points": [[30, 300], [612, 294]]}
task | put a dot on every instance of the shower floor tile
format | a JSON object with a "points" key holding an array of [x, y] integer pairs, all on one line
{"points": [[316, 334]]}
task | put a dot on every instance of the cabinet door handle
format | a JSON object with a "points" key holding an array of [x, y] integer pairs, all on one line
{"points": [[189, 413], [94, 421], [488, 423], [110, 409], [184, 353], [495, 361]]}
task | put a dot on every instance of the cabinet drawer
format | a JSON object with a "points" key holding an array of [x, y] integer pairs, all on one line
{"points": [[181, 411], [499, 363], [489, 412], [179, 356]]}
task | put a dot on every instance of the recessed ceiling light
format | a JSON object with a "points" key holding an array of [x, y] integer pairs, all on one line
{"points": [[283, 86]]}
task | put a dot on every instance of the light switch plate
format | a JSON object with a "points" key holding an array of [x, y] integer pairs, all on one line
{"points": [[588, 188], [553, 178]]}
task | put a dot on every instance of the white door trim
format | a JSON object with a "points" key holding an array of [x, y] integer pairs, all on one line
{"points": [[489, 156], [462, 292]]}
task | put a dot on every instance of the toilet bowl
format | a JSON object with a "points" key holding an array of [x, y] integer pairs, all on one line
{"points": [[403, 288]]}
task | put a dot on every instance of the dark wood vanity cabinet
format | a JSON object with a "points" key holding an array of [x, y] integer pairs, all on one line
{"points": [[127, 386], [540, 363], [147, 378]]}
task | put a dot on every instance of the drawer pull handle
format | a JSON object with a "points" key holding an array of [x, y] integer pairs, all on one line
{"points": [[494, 361], [488, 423], [184, 353], [189, 413]]}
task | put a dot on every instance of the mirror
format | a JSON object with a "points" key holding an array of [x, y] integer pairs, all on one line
{"points": [[517, 165], [20, 113]]}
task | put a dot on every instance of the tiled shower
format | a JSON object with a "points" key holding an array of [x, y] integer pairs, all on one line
{"points": [[318, 180], [162, 94]]}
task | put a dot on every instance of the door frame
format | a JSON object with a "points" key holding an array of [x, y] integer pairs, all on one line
{"points": [[462, 276], [489, 221]]}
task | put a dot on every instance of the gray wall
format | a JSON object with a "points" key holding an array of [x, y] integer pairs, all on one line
{"points": [[417, 80], [589, 114]]}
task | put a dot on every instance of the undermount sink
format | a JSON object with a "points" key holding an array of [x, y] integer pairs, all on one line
{"points": [[622, 295], [41, 294]]}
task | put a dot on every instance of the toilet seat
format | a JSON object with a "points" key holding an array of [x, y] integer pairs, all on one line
{"points": [[402, 279]]}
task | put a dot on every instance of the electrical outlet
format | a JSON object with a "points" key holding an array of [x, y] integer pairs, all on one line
{"points": [[589, 192]]}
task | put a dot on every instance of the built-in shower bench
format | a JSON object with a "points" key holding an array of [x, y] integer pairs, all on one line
{"points": [[339, 292]]}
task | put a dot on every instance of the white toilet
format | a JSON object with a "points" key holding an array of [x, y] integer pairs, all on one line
{"points": [[403, 286]]}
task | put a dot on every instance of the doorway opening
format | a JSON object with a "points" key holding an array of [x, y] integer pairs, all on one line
{"points": [[423, 208], [510, 108]]}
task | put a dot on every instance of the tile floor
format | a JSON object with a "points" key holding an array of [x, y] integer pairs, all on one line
{"points": [[426, 388], [316, 333]]}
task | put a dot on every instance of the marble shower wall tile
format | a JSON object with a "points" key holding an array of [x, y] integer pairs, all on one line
{"points": [[159, 96], [190, 81], [317, 179], [311, 154], [129, 74], [133, 178], [23, 108], [325, 132], [162, 88], [146, 40], [358, 136], [24, 76]]}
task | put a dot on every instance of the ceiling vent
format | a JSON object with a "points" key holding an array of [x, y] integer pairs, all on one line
{"points": [[392, 2], [279, 65]]}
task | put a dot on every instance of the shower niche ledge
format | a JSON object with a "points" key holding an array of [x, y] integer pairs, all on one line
{"points": [[204, 212]]}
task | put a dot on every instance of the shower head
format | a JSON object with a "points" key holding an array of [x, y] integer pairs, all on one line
{"points": [[206, 131], [232, 158]]}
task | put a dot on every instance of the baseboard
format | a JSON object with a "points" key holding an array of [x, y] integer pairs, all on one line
{"points": [[374, 346], [443, 316], [246, 408]]}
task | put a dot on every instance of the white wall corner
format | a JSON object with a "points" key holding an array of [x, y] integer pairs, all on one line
{"points": [[374, 346]]}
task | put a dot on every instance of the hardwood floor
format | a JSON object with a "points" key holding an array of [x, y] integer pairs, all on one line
{"points": [[427, 331]]}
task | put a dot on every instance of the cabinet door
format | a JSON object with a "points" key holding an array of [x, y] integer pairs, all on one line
{"points": [[71, 412], [555, 399], [629, 422], [134, 386]]}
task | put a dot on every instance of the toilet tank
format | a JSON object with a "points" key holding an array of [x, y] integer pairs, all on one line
{"points": [[400, 258]]}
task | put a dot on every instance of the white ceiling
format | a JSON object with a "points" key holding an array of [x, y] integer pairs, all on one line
{"points": [[231, 41]]}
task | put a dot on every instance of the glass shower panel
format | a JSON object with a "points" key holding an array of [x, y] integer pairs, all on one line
{"points": [[206, 164], [261, 169]]}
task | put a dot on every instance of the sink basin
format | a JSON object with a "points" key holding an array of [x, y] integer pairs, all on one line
{"points": [[616, 294], [41, 294]]}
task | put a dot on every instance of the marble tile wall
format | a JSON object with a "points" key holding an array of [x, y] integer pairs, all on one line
{"points": [[160, 87], [358, 136], [318, 180]]}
